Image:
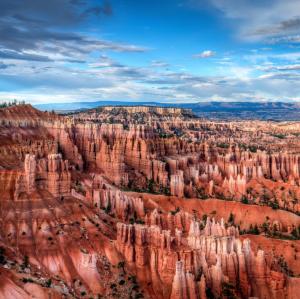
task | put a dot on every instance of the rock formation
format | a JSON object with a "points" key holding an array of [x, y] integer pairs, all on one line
{"points": [[147, 202]]}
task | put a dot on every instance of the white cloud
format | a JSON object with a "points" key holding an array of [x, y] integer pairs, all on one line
{"points": [[159, 63], [205, 54], [108, 79], [290, 67], [261, 19], [126, 83]]}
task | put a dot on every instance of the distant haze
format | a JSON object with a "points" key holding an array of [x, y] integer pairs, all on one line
{"points": [[212, 110]]}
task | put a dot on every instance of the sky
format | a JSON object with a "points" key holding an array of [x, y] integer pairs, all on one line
{"points": [[174, 51]]}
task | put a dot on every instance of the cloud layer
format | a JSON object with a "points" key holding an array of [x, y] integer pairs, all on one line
{"points": [[50, 55], [262, 19]]}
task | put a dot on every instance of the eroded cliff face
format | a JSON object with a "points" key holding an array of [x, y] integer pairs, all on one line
{"points": [[186, 263], [48, 174], [193, 158], [71, 225]]}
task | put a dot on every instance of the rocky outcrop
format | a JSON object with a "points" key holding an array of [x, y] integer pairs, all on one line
{"points": [[180, 287], [116, 202], [30, 172], [177, 184], [51, 174], [58, 176], [148, 109], [212, 257]]}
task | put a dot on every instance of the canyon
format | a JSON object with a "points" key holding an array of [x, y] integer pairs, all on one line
{"points": [[147, 202]]}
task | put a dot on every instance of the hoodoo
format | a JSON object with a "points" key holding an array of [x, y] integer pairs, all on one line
{"points": [[147, 202]]}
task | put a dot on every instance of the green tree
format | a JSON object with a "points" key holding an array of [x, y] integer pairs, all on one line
{"points": [[231, 218]]}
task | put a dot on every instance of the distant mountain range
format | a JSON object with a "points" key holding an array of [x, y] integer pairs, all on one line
{"points": [[212, 110]]}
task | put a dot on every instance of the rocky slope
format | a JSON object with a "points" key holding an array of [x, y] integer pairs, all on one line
{"points": [[140, 202]]}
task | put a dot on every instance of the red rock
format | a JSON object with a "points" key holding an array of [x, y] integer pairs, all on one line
{"points": [[63, 204]]}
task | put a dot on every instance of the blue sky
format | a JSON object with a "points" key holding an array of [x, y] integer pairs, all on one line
{"points": [[166, 51]]}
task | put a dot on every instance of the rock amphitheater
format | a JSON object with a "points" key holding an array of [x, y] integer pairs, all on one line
{"points": [[147, 202]]}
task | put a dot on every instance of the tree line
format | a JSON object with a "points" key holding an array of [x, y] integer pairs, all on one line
{"points": [[11, 103]]}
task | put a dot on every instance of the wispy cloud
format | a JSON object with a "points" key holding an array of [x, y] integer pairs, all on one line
{"points": [[293, 67], [261, 19], [110, 79], [5, 65], [205, 54], [44, 27], [159, 63]]}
